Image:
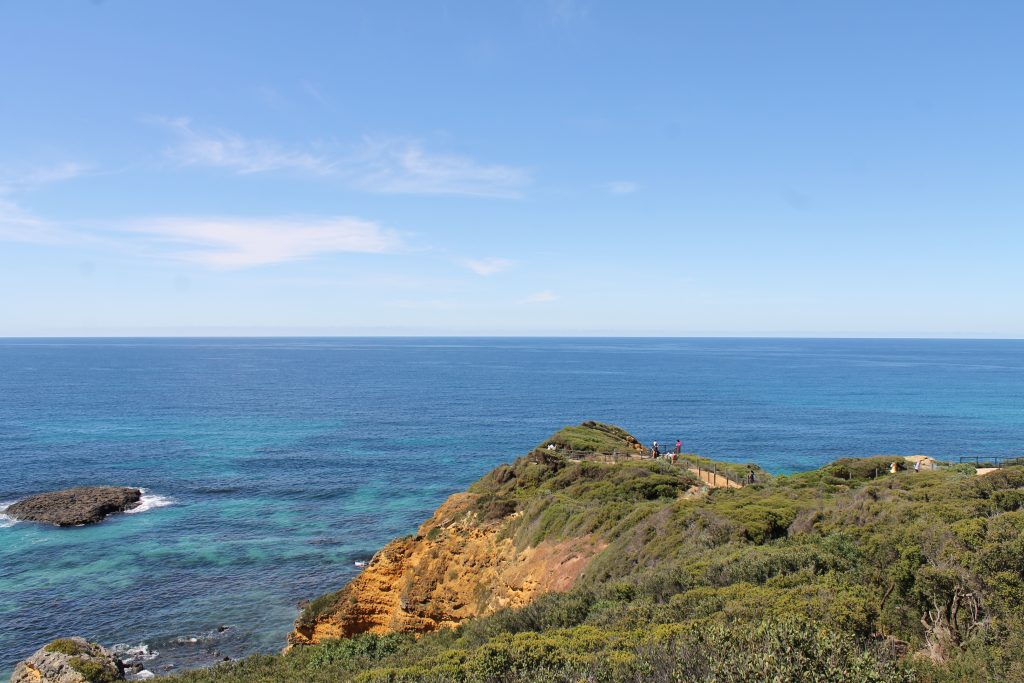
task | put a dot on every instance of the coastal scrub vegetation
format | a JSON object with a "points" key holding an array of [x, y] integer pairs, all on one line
{"points": [[94, 671], [845, 573], [65, 646], [593, 437]]}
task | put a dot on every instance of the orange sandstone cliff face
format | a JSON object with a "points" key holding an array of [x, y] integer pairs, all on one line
{"points": [[458, 565]]}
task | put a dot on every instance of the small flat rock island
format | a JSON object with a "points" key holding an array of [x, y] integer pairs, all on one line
{"points": [[77, 506]]}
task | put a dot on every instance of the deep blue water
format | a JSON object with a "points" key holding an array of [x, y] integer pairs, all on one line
{"points": [[289, 459]]}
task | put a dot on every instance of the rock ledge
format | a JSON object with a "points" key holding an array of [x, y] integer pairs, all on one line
{"points": [[69, 660], [72, 507]]}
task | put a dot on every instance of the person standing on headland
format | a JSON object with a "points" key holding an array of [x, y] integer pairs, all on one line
{"points": [[679, 446], [751, 478], [654, 450]]}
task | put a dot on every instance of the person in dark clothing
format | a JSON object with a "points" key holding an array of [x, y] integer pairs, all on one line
{"points": [[750, 477], [654, 450]]}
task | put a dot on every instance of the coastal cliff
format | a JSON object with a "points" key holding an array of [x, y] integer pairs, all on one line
{"points": [[460, 564], [475, 555]]}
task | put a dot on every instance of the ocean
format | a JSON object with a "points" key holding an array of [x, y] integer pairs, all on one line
{"points": [[271, 466]]}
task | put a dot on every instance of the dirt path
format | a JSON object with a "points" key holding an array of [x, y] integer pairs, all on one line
{"points": [[715, 481]]}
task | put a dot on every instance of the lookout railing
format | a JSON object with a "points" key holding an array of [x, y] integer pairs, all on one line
{"points": [[992, 460], [613, 457], [712, 475]]}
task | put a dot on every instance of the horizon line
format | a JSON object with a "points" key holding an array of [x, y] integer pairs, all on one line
{"points": [[4, 337]]}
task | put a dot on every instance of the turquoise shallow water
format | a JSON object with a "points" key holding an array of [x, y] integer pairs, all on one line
{"points": [[286, 460]]}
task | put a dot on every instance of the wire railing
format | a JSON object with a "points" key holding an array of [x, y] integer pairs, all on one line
{"points": [[996, 461], [711, 475], [615, 456]]}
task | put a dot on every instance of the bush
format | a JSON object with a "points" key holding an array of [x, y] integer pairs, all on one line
{"points": [[361, 649], [65, 646], [490, 508], [316, 608], [95, 672], [593, 437], [863, 469]]}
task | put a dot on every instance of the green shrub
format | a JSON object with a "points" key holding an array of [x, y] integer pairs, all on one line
{"points": [[594, 437], [490, 507], [361, 649], [93, 671], [65, 646], [318, 607], [863, 469]]}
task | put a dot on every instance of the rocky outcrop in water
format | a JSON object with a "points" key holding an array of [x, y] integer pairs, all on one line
{"points": [[72, 507], [69, 660]]}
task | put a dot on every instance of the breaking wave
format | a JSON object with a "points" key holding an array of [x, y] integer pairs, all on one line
{"points": [[150, 501]]}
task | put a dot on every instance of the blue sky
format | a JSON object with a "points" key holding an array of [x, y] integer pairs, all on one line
{"points": [[559, 167]]}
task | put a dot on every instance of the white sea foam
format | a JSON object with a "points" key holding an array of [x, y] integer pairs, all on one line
{"points": [[135, 654], [6, 521], [150, 501], [130, 654]]}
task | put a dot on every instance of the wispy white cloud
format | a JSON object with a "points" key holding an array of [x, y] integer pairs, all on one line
{"points": [[214, 242], [488, 266], [45, 175], [219, 242], [567, 11], [311, 89], [402, 166], [540, 297], [378, 165], [240, 242], [66, 170], [228, 150], [622, 187], [19, 225], [425, 304]]}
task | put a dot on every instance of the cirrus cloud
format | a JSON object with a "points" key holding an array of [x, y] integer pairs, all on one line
{"points": [[622, 187], [380, 165], [541, 297], [241, 242], [402, 166], [225, 149], [213, 242], [488, 266]]}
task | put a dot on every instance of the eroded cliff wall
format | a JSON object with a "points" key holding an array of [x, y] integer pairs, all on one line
{"points": [[461, 563]]}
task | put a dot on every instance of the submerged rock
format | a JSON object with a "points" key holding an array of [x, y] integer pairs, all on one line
{"points": [[69, 660], [71, 507]]}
